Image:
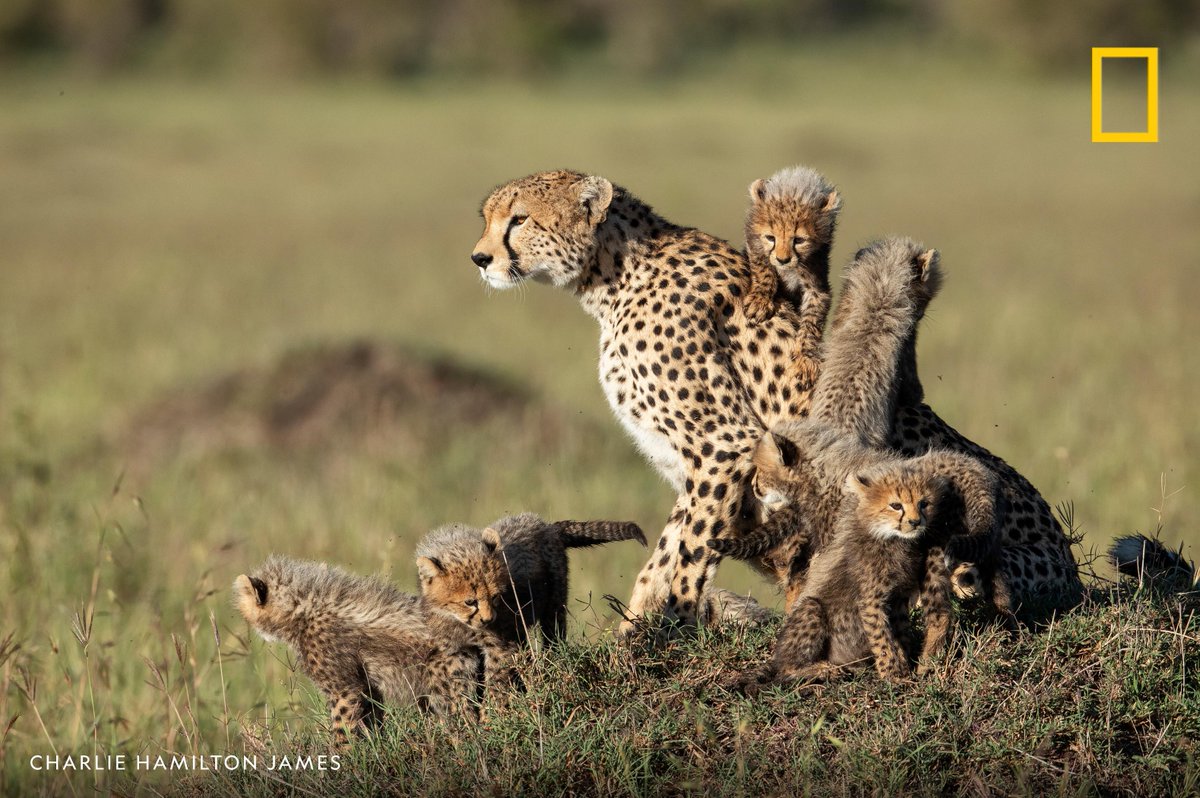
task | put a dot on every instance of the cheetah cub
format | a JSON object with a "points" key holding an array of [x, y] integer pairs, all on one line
{"points": [[789, 232], [512, 575], [363, 642], [790, 486], [800, 467], [881, 559]]}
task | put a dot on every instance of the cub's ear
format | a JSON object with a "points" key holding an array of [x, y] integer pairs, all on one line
{"points": [[788, 452], [775, 451], [858, 484], [595, 195], [251, 587], [767, 454], [429, 568], [758, 190], [927, 262], [491, 539], [260, 590], [833, 203]]}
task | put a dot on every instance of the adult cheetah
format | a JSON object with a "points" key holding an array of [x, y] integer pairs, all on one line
{"points": [[693, 383], [684, 374]]}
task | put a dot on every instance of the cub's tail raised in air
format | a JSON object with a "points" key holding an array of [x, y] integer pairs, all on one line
{"points": [[576, 534], [1148, 560]]}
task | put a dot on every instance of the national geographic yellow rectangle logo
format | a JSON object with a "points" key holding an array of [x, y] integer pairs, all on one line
{"points": [[1151, 56]]}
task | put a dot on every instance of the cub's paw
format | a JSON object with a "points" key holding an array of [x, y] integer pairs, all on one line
{"points": [[753, 682], [722, 545], [965, 581], [806, 370], [757, 310]]}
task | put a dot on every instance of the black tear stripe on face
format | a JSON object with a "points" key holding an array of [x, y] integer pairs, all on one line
{"points": [[512, 255]]}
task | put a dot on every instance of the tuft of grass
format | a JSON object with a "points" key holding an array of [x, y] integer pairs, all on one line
{"points": [[1103, 701]]}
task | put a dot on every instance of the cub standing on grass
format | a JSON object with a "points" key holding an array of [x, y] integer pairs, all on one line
{"points": [[512, 575], [795, 467], [855, 606], [789, 233], [901, 523], [365, 643]]}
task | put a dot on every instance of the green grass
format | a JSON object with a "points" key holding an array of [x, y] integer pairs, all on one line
{"points": [[1100, 703], [157, 234]]}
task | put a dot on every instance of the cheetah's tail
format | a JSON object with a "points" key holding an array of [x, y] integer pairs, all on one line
{"points": [[576, 534], [1148, 560]]}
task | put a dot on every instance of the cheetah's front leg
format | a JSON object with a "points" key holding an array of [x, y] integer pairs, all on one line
{"points": [[353, 707], [891, 663], [759, 302], [935, 605], [654, 581], [714, 493], [814, 308]]}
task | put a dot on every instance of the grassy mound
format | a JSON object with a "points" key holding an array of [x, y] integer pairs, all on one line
{"points": [[1102, 701], [321, 396]]}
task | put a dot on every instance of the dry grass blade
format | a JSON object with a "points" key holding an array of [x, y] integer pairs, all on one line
{"points": [[81, 625]]}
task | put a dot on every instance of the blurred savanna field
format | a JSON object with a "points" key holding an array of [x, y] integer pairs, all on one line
{"points": [[237, 316]]}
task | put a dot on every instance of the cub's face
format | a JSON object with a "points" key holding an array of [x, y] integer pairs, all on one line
{"points": [[541, 227], [785, 231], [473, 592], [770, 492], [775, 459], [895, 505]]}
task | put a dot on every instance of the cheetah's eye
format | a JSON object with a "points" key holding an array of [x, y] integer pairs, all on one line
{"points": [[798, 240], [519, 219], [923, 504], [770, 240], [472, 603], [896, 506]]}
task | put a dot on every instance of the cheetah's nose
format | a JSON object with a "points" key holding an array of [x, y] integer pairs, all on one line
{"points": [[784, 261], [482, 259]]}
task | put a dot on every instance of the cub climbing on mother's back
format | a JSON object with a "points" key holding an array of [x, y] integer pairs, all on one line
{"points": [[789, 233]]}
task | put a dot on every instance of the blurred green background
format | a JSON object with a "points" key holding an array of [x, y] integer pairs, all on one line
{"points": [[237, 313]]}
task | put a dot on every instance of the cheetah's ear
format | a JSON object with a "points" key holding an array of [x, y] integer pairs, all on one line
{"points": [[926, 263], [775, 451], [767, 453], [858, 484], [251, 586], [491, 539], [758, 190], [788, 452], [429, 568], [595, 195], [833, 203]]}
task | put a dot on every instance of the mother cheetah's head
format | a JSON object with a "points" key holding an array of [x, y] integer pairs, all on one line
{"points": [[541, 227]]}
